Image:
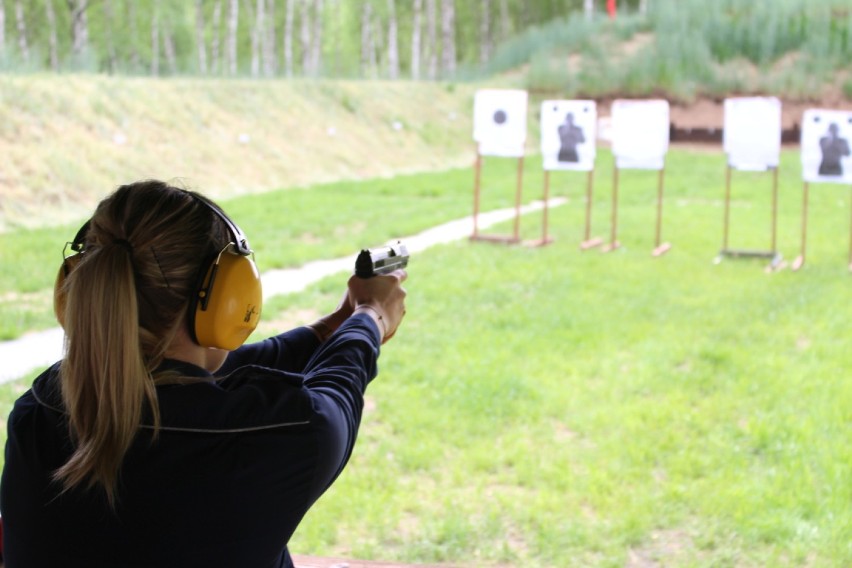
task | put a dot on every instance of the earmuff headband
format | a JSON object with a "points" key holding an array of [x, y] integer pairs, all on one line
{"points": [[240, 242]]}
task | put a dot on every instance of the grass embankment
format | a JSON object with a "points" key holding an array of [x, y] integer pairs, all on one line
{"points": [[552, 407], [66, 140], [688, 49]]}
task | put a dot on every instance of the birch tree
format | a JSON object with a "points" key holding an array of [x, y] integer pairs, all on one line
{"points": [[485, 31], [79, 26], [155, 40], [393, 47], [133, 26], [288, 37], [233, 25], [367, 40], [21, 24], [432, 37], [377, 52], [200, 41], [52, 35], [169, 47], [270, 64], [2, 29], [316, 38], [448, 38], [255, 15], [416, 28], [109, 36], [589, 8], [305, 36], [216, 57]]}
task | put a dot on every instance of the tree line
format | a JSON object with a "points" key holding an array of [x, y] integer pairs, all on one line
{"points": [[417, 39]]}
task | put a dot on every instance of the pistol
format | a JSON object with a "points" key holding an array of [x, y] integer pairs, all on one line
{"points": [[382, 260]]}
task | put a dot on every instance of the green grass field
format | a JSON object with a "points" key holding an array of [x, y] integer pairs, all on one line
{"points": [[546, 406]]}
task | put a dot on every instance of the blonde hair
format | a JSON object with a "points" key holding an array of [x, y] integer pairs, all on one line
{"points": [[125, 302]]}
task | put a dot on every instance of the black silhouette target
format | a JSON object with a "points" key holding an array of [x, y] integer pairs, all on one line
{"points": [[827, 146], [568, 134]]}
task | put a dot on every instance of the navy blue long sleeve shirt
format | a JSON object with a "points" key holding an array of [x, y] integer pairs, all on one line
{"points": [[237, 462]]}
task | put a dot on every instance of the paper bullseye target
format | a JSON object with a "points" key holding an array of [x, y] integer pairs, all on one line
{"points": [[500, 122]]}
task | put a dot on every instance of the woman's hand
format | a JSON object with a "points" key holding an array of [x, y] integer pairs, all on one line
{"points": [[382, 297], [326, 325]]}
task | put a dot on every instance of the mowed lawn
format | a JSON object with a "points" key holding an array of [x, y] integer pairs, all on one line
{"points": [[547, 406]]}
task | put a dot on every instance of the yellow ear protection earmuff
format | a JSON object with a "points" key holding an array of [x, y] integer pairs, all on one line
{"points": [[227, 313], [226, 306]]}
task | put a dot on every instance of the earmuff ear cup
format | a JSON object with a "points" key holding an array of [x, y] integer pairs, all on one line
{"points": [[59, 295], [229, 303]]}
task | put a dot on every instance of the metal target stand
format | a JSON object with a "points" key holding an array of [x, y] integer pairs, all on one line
{"points": [[588, 241], [776, 260], [515, 237], [751, 138], [545, 239], [800, 260], [641, 132], [660, 248], [499, 129]]}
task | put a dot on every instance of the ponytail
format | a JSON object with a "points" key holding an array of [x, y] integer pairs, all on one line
{"points": [[105, 382]]}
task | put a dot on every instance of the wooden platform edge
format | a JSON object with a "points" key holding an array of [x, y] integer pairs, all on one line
{"points": [[302, 561]]}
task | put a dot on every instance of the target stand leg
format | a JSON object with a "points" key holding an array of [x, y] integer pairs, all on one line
{"points": [[476, 189], [660, 248], [613, 240], [849, 266], [776, 261], [800, 260], [477, 236], [589, 242], [545, 239], [725, 217]]}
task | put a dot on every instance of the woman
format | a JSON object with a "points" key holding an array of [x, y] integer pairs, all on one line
{"points": [[158, 440]]}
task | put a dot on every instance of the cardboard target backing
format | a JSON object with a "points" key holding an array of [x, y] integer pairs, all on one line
{"points": [[640, 133], [752, 133]]}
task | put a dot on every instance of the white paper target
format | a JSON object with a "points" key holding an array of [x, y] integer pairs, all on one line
{"points": [[752, 133], [500, 122], [568, 135], [826, 141], [640, 133]]}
